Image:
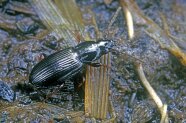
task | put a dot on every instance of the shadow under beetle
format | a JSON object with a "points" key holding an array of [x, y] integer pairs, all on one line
{"points": [[65, 64]]}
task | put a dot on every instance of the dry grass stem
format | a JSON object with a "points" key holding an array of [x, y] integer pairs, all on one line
{"points": [[164, 117], [154, 31], [162, 108], [129, 20], [114, 17], [112, 112]]}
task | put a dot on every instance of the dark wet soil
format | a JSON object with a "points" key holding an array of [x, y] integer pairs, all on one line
{"points": [[24, 42]]}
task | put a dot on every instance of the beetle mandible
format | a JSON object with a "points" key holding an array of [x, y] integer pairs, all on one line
{"points": [[67, 63]]}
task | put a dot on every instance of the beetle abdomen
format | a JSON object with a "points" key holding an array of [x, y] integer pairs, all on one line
{"points": [[55, 68]]}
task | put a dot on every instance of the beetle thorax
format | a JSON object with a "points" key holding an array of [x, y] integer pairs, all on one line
{"points": [[90, 53]]}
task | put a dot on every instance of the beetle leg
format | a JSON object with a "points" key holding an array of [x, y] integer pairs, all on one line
{"points": [[95, 64]]}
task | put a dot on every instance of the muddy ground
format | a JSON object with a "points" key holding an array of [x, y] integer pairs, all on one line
{"points": [[24, 42]]}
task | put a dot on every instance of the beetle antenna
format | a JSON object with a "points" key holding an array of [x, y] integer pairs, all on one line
{"points": [[114, 50]]}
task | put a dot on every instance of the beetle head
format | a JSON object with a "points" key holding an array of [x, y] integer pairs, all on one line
{"points": [[106, 45], [90, 51]]}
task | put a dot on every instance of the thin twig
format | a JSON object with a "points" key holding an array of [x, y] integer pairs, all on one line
{"points": [[162, 108], [114, 17], [129, 20], [164, 118]]}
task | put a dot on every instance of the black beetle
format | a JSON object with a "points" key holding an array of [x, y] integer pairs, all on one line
{"points": [[67, 63]]}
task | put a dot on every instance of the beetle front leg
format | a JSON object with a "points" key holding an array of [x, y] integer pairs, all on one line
{"points": [[95, 64]]}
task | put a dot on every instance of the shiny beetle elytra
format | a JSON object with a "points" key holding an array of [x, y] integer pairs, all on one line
{"points": [[65, 64]]}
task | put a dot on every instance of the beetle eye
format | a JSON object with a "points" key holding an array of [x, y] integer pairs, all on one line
{"points": [[109, 45]]}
